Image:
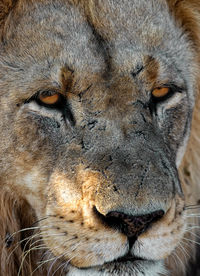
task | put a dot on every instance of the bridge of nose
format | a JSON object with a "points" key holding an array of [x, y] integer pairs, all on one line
{"points": [[133, 162], [134, 188]]}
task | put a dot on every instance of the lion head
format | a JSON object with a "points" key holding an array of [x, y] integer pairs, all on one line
{"points": [[100, 134]]}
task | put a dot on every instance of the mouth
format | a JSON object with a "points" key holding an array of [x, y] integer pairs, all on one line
{"points": [[125, 265], [127, 258]]}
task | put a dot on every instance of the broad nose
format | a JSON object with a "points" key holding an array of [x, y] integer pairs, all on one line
{"points": [[131, 226]]}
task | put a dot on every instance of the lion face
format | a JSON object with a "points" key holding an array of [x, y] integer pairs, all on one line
{"points": [[96, 105]]}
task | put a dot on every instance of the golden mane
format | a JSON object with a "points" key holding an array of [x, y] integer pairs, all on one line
{"points": [[187, 14]]}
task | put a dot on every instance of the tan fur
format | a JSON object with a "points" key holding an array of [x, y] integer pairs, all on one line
{"points": [[188, 12]]}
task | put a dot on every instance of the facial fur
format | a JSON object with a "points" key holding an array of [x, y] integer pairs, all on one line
{"points": [[104, 181]]}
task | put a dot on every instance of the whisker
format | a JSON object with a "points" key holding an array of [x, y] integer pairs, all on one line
{"points": [[180, 261], [41, 264], [174, 258], [184, 251], [28, 252], [52, 266], [41, 219], [193, 216], [193, 241], [192, 206], [186, 243], [194, 234], [192, 227], [64, 267], [35, 242], [18, 244], [33, 247], [192, 223], [63, 264], [23, 230]]}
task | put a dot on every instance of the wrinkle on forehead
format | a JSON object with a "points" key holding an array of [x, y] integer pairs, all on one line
{"points": [[93, 37], [55, 35], [131, 21], [135, 28]]}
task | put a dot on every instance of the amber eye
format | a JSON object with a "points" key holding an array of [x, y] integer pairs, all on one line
{"points": [[49, 99], [160, 92]]}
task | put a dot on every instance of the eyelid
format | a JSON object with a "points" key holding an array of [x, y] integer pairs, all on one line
{"points": [[41, 94], [173, 88], [49, 99], [60, 104]]}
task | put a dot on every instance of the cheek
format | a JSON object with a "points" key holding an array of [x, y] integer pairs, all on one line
{"points": [[174, 123], [63, 192], [38, 135], [33, 182], [28, 159]]}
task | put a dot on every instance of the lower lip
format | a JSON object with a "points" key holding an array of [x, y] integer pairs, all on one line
{"points": [[127, 258], [122, 263]]}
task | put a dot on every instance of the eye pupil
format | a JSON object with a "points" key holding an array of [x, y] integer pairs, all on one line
{"points": [[52, 99], [160, 92]]}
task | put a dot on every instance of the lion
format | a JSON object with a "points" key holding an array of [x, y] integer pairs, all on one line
{"points": [[100, 137]]}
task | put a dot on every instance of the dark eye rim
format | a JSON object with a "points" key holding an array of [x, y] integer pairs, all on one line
{"points": [[61, 105], [173, 89], [162, 98]]}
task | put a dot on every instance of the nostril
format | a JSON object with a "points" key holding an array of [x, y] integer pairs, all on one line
{"points": [[131, 226]]}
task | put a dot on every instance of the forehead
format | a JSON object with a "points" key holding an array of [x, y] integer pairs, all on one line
{"points": [[93, 35]]}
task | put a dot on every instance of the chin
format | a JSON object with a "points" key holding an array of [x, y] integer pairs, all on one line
{"points": [[119, 268]]}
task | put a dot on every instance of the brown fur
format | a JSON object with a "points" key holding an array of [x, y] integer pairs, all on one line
{"points": [[187, 14], [14, 244]]}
